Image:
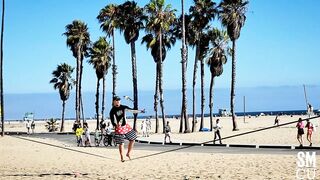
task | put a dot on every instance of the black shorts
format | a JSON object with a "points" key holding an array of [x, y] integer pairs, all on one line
{"points": [[131, 135], [300, 131]]}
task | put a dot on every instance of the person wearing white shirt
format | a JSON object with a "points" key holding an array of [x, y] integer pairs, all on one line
{"points": [[217, 128]]}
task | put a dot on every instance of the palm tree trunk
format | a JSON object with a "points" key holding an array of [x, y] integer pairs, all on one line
{"points": [[80, 94], [62, 116], [195, 68], [184, 114], [135, 82], [211, 100], [97, 102], [233, 82], [103, 97], [202, 94], [1, 73], [78, 86], [114, 67], [160, 84], [156, 98]]}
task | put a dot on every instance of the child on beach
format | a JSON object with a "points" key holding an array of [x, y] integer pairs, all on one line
{"points": [[300, 127], [167, 132], [309, 127], [79, 132], [122, 129], [217, 128]]}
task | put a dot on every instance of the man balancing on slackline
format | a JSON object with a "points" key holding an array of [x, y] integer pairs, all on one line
{"points": [[122, 129]]}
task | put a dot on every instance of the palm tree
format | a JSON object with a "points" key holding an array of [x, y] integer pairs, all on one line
{"points": [[108, 18], [100, 57], [78, 39], [216, 60], [160, 19], [184, 114], [189, 36], [1, 71], [130, 23], [232, 16], [63, 81], [153, 43], [202, 13]]}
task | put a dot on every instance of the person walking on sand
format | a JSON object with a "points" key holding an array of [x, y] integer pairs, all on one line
{"points": [[144, 129], [33, 126], [300, 127], [148, 123], [217, 128], [167, 132], [28, 125], [309, 127], [122, 129], [276, 120]]}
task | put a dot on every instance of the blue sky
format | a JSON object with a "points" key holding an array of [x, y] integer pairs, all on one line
{"points": [[278, 46]]}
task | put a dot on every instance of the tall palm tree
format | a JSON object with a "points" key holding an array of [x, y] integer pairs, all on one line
{"points": [[108, 18], [217, 58], [63, 81], [78, 40], [130, 23], [189, 39], [232, 16], [152, 42], [1, 71], [160, 19], [184, 114], [100, 57], [202, 12]]}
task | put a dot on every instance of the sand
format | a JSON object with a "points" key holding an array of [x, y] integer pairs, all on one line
{"points": [[23, 159]]}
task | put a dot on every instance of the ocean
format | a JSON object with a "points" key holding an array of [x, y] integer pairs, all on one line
{"points": [[268, 100]]}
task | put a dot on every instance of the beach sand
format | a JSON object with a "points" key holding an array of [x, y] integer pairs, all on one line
{"points": [[23, 159]]}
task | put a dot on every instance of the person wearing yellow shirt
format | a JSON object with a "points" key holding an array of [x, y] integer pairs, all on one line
{"points": [[79, 132]]}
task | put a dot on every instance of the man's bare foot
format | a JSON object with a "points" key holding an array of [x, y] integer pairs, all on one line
{"points": [[128, 155]]}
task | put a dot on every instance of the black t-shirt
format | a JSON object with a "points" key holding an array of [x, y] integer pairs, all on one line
{"points": [[118, 115]]}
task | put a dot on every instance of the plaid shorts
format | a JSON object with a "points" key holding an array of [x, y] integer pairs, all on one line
{"points": [[131, 135]]}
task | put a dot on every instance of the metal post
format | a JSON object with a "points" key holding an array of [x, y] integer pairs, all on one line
{"points": [[305, 96], [244, 109]]}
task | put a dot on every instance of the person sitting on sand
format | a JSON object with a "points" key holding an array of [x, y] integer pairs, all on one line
{"points": [[300, 127], [122, 129], [167, 132], [309, 127], [217, 128]]}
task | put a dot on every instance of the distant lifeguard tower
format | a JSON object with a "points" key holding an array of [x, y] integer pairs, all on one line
{"points": [[224, 113], [28, 116]]}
